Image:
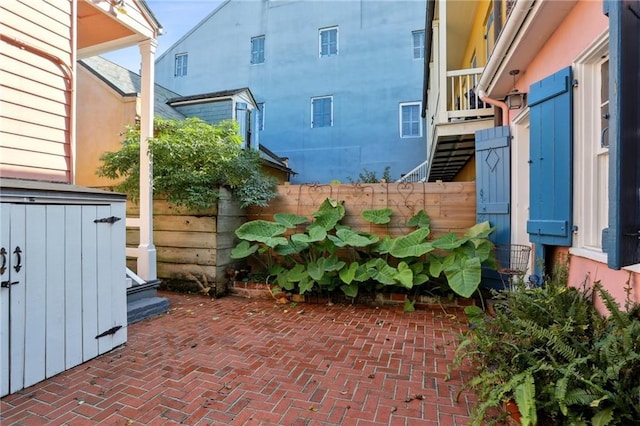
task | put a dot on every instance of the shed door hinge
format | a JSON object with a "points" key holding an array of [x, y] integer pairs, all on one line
{"points": [[110, 219], [112, 330]]}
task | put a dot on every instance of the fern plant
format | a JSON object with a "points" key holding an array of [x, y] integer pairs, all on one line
{"points": [[551, 351]]}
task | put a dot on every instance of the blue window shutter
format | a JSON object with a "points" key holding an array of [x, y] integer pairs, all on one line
{"points": [[623, 235], [493, 189], [551, 155]]}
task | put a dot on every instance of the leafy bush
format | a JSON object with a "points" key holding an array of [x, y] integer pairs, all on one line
{"points": [[550, 351], [367, 176], [191, 159], [329, 255]]}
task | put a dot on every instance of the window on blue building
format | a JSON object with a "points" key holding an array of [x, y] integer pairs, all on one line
{"points": [[257, 50], [410, 122], [322, 111], [329, 41], [182, 60], [418, 44]]}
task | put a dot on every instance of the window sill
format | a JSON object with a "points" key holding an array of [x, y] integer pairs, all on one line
{"points": [[596, 254], [592, 253]]}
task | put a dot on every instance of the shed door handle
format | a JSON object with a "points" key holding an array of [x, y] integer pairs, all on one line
{"points": [[3, 253], [18, 264]]}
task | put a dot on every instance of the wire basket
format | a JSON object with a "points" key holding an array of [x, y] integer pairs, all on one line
{"points": [[512, 259]]}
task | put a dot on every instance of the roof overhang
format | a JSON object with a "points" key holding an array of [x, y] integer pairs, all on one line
{"points": [[106, 25], [527, 29]]}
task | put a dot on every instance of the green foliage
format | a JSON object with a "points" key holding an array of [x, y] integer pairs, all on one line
{"points": [[550, 351], [191, 160], [366, 176], [328, 255]]}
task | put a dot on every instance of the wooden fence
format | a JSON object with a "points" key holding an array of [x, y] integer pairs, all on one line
{"points": [[451, 206], [198, 243], [192, 243]]}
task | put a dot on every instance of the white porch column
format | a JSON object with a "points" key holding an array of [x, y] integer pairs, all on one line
{"points": [[147, 268]]}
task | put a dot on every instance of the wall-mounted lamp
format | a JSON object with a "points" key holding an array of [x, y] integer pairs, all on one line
{"points": [[514, 99]]}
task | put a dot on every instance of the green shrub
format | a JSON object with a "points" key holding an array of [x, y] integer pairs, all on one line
{"points": [[550, 351], [191, 160], [328, 255]]}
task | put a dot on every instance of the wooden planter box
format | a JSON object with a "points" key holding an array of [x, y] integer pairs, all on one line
{"points": [[192, 246]]}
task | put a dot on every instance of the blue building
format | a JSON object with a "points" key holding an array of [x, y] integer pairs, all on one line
{"points": [[338, 83]]}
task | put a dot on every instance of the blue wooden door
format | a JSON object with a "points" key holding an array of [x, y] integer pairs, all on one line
{"points": [[550, 160], [493, 189]]}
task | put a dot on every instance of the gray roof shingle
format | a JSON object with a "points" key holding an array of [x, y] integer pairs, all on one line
{"points": [[127, 83]]}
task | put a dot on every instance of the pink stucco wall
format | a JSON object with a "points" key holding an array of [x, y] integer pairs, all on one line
{"points": [[583, 24]]}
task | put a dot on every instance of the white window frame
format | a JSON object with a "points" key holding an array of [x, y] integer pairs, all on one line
{"points": [[420, 47], [254, 52], [181, 64], [400, 118], [327, 29], [313, 126], [591, 160]]}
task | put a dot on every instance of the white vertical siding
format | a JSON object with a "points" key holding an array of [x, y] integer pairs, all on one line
{"points": [[35, 75]]}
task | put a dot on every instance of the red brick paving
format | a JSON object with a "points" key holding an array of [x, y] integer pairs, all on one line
{"points": [[254, 362]]}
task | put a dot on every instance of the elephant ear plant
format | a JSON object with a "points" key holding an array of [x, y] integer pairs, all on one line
{"points": [[328, 255]]}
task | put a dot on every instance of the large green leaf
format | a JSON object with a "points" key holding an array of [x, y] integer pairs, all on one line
{"points": [[362, 273], [260, 230], [316, 269], [306, 284], [479, 230], [315, 234], [350, 290], [332, 263], [276, 241], [243, 249], [297, 273], [435, 266], [381, 271], [292, 247], [355, 239], [404, 275], [289, 220], [329, 214], [348, 274], [377, 216], [383, 245], [420, 219], [413, 244], [449, 241], [464, 276]]}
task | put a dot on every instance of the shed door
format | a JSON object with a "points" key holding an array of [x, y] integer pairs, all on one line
{"points": [[63, 286], [551, 177], [493, 188]]}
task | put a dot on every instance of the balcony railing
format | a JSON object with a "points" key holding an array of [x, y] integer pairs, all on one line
{"points": [[463, 102]]}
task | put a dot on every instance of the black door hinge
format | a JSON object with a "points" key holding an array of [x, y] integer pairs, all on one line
{"points": [[112, 330], [110, 219]]}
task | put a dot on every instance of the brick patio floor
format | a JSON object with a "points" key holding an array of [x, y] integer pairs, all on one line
{"points": [[254, 362]]}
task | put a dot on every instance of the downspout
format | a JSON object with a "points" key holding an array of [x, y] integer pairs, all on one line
{"points": [[505, 41], [428, 40]]}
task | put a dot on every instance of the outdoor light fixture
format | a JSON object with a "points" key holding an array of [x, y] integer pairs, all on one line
{"points": [[514, 99]]}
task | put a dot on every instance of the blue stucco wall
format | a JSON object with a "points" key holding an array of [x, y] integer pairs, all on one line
{"points": [[372, 74]]}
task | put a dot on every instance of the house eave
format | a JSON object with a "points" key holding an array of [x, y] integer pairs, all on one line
{"points": [[526, 31]]}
